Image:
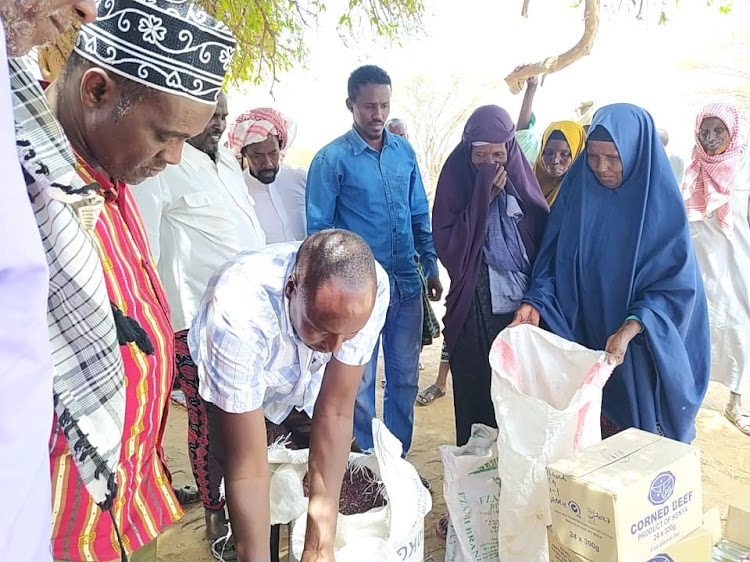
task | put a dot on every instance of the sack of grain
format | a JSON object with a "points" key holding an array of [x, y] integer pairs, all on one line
{"points": [[393, 532], [547, 394], [471, 488]]}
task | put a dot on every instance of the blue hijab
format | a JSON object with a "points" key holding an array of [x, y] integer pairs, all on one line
{"points": [[607, 254]]}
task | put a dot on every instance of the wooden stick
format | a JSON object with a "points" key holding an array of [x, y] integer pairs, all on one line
{"points": [[525, 9], [518, 77]]}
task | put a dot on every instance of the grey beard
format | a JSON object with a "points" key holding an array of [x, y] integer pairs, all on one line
{"points": [[19, 33], [20, 25]]}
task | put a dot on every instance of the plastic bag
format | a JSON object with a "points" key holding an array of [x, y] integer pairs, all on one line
{"points": [[393, 533], [452, 548], [287, 470], [547, 394], [471, 487]]}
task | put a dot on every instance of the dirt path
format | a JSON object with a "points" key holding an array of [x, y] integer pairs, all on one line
{"points": [[725, 454]]}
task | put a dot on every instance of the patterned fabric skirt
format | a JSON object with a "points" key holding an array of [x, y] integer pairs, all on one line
{"points": [[207, 470], [608, 428], [430, 324]]}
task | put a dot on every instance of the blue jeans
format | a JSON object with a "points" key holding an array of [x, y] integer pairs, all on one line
{"points": [[402, 341]]}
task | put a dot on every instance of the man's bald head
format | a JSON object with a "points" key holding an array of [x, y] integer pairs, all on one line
{"points": [[334, 254], [332, 289], [397, 127]]}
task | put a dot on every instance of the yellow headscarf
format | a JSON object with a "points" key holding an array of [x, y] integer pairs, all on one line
{"points": [[576, 137]]}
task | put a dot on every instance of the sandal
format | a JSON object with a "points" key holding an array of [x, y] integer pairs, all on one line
{"points": [[441, 527], [224, 549], [187, 494], [429, 395], [740, 420], [426, 484]]}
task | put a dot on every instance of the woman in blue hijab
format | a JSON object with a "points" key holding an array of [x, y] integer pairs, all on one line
{"points": [[616, 270]]}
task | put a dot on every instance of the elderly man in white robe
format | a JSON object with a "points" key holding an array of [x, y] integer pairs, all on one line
{"points": [[260, 138]]}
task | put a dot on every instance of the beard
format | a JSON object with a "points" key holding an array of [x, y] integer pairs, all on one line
{"points": [[18, 29], [265, 176], [23, 19], [132, 174]]}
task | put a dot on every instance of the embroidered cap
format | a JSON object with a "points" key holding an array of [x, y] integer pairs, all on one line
{"points": [[169, 45]]}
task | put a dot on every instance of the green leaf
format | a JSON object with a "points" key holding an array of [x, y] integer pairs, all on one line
{"points": [[270, 33]]}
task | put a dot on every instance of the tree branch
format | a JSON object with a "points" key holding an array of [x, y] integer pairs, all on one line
{"points": [[517, 78], [525, 9]]}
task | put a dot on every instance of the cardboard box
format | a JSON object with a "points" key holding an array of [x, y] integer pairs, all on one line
{"points": [[738, 526], [712, 522], [696, 547], [626, 498]]}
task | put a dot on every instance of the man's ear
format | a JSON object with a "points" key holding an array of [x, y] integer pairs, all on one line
{"points": [[349, 105], [289, 287], [98, 89]]}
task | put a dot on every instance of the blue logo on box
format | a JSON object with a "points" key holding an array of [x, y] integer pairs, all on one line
{"points": [[573, 506], [662, 558], [662, 488]]}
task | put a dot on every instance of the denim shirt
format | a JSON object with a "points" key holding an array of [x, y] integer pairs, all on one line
{"points": [[380, 196]]}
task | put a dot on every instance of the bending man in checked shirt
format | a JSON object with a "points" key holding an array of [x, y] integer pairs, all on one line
{"points": [[289, 327]]}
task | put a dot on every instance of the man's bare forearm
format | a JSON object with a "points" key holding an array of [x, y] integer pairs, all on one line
{"points": [[240, 445], [524, 116], [330, 443], [249, 513]]}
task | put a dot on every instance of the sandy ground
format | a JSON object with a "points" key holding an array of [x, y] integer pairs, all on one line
{"points": [[725, 459]]}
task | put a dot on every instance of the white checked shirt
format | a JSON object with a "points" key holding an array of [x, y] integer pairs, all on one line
{"points": [[198, 215], [244, 345]]}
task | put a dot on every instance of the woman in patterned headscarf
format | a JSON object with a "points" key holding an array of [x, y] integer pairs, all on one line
{"points": [[717, 194], [562, 142]]}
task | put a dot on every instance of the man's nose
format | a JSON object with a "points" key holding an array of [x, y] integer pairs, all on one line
{"points": [[173, 153], [84, 10]]}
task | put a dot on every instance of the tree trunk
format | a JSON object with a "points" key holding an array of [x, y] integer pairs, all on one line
{"points": [[517, 78], [525, 9]]}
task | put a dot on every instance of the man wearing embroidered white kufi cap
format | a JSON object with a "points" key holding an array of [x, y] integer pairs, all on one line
{"points": [[143, 79], [198, 216], [260, 138]]}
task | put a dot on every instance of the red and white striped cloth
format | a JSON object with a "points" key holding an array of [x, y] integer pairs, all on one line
{"points": [[709, 180], [256, 125]]}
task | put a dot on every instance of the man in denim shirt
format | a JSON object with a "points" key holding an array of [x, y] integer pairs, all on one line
{"points": [[368, 181]]}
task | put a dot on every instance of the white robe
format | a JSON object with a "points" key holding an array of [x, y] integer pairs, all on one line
{"points": [[725, 261]]}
